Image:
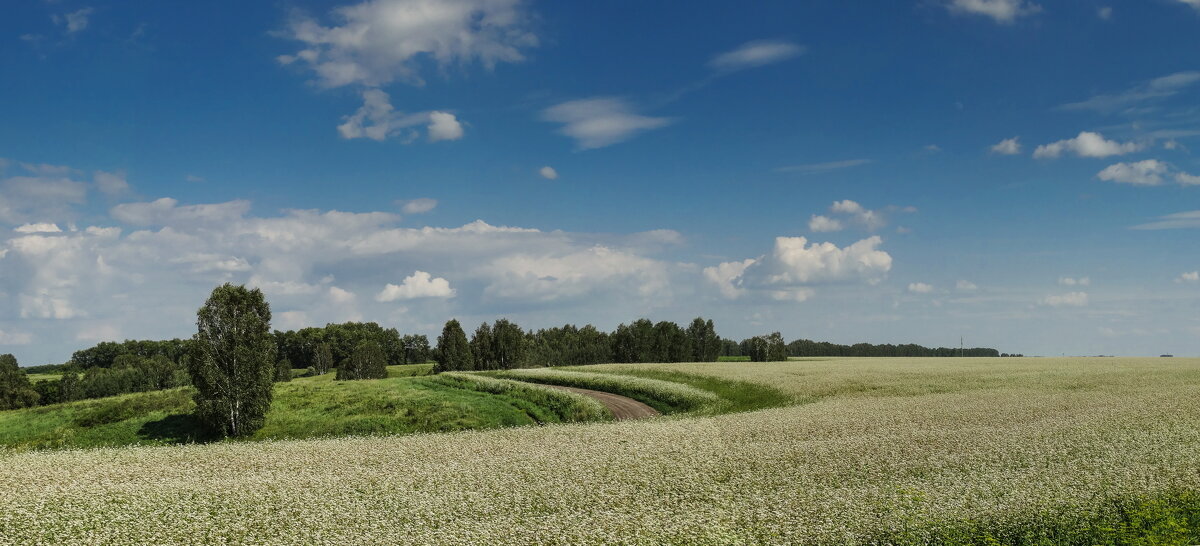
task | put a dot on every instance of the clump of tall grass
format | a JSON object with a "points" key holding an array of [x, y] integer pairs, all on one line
{"points": [[664, 396]]}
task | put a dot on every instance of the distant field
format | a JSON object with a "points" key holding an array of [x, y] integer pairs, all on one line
{"points": [[35, 377], [871, 451]]}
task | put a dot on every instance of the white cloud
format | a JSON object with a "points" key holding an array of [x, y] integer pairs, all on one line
{"points": [[811, 168], [340, 296], [38, 228], [1105, 12], [444, 126], [419, 206], [1149, 172], [1086, 144], [377, 42], [543, 278], [1070, 299], [194, 178], [48, 194], [599, 122], [1001, 11], [166, 211], [1071, 281], [377, 120], [1187, 179], [110, 183], [1008, 146], [795, 263], [1193, 276], [15, 338], [1179, 220], [757, 53], [418, 285], [99, 332], [1192, 3], [821, 224], [965, 286], [1157, 89], [548, 173], [869, 219], [920, 288], [1141, 173], [75, 21]]}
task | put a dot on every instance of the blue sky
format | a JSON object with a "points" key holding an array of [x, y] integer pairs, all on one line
{"points": [[1021, 174]]}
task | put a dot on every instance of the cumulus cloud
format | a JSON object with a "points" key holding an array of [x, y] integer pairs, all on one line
{"points": [[418, 206], [1008, 146], [1149, 172], [377, 120], [1072, 281], [43, 227], [1070, 299], [920, 288], [794, 263], [1154, 90], [821, 224], [377, 42], [965, 286], [1001, 11], [601, 121], [418, 285], [1193, 276], [870, 220], [1141, 173], [1086, 144], [548, 173], [444, 126], [754, 54], [48, 192], [543, 278]]}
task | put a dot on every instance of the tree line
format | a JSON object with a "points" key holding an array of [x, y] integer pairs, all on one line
{"points": [[805, 347]]}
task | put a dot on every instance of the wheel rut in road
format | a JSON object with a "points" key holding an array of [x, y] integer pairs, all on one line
{"points": [[622, 407]]}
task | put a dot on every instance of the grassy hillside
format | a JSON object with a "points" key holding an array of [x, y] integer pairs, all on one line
{"points": [[404, 403], [905, 451]]}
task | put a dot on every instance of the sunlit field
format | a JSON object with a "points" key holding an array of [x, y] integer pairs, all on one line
{"points": [[872, 451]]}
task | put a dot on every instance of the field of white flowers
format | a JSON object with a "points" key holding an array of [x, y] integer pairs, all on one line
{"points": [[876, 451]]}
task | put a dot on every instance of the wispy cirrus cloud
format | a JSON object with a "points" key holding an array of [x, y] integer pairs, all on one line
{"points": [[755, 54], [1154, 90], [1000, 11], [600, 121], [1178, 220], [813, 168]]}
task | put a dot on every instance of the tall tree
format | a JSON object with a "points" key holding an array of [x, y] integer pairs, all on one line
{"points": [[453, 352], [508, 345], [483, 348], [233, 360], [15, 390], [367, 361], [322, 359], [416, 349]]}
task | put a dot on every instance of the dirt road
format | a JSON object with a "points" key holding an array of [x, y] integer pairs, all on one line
{"points": [[622, 407]]}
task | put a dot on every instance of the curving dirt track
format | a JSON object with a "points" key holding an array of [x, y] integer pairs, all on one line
{"points": [[622, 407]]}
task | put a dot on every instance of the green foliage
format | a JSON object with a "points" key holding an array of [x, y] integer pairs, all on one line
{"points": [[805, 347], [546, 405], [283, 371], [453, 351], [366, 362], [15, 390], [567, 346], [482, 344], [416, 349], [706, 344], [322, 361], [106, 353], [768, 348], [233, 360]]}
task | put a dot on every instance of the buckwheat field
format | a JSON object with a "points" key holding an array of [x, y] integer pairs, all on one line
{"points": [[872, 451]]}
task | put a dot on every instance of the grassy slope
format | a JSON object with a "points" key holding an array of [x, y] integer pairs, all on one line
{"points": [[303, 408]]}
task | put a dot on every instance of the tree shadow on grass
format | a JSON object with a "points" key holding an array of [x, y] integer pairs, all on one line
{"points": [[181, 428]]}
